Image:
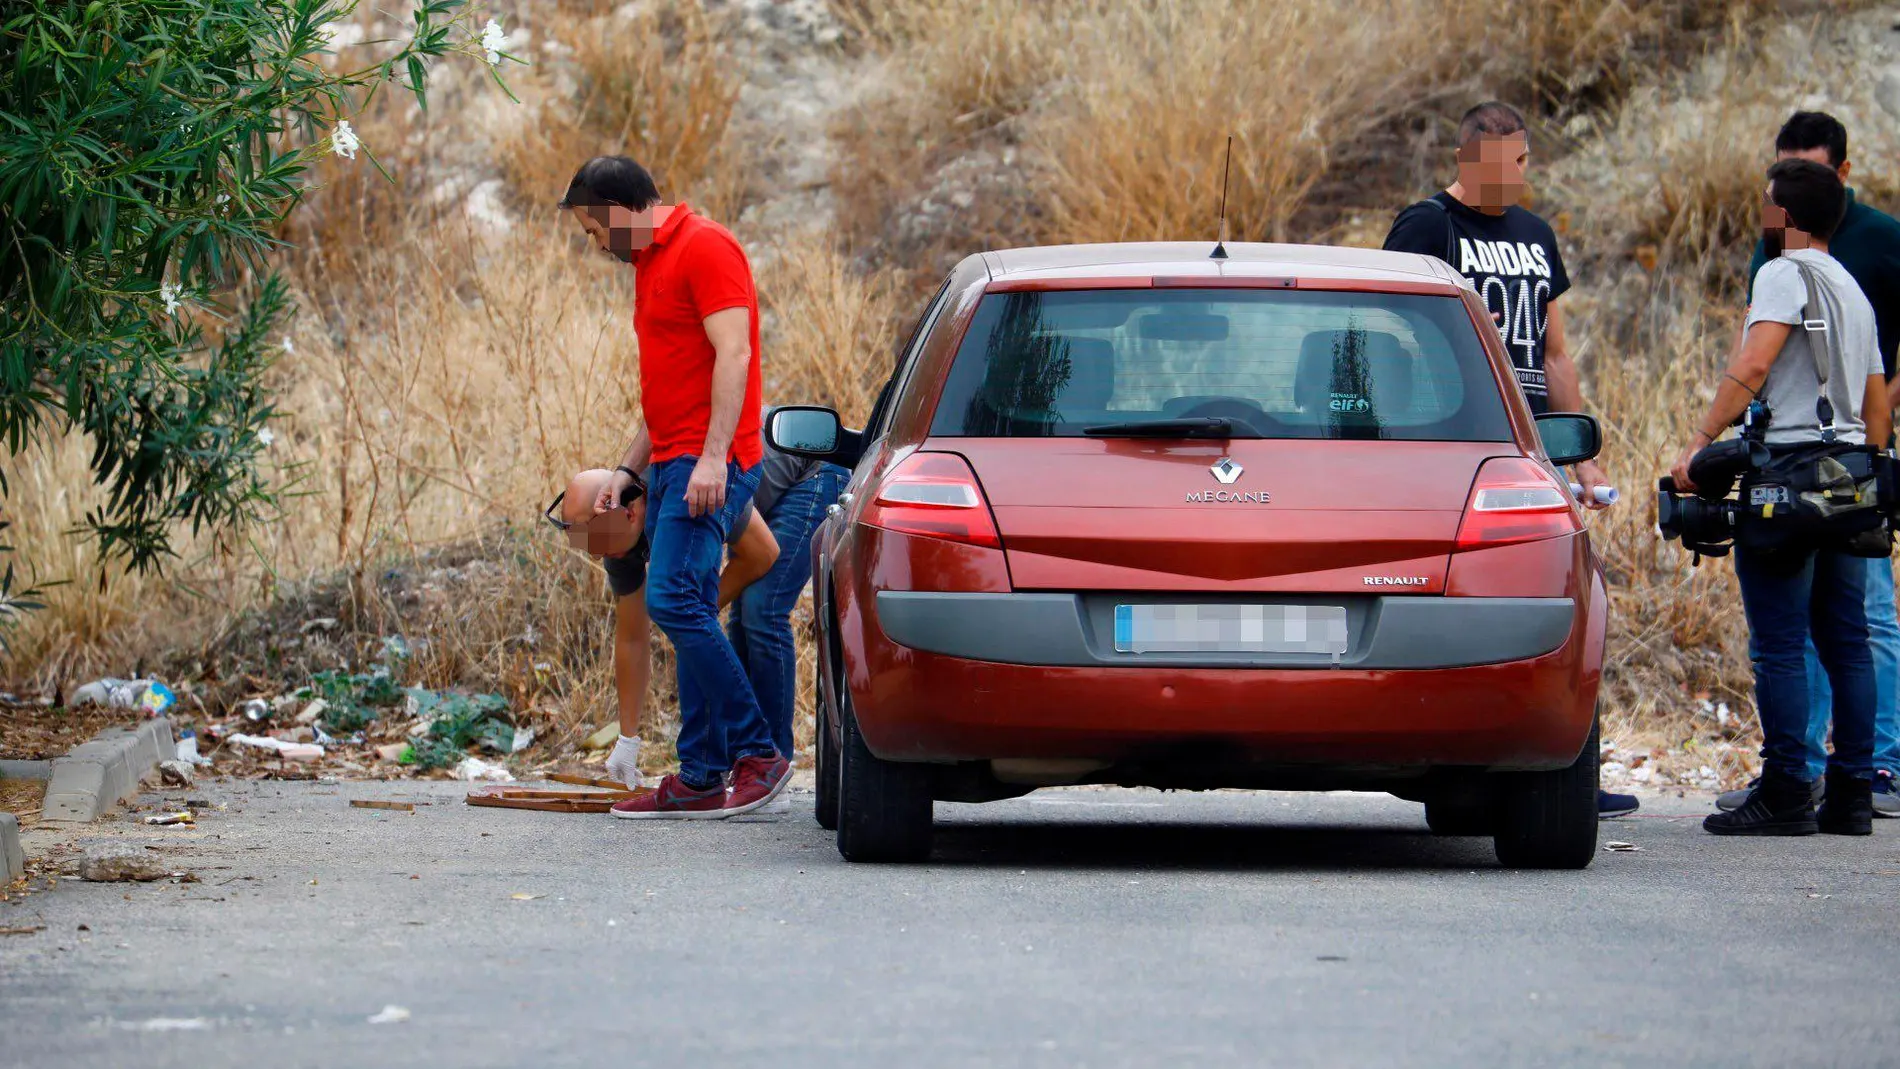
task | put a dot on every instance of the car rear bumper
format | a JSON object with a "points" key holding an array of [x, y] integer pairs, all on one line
{"points": [[1073, 630], [972, 688]]}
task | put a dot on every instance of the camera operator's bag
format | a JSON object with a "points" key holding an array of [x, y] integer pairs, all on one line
{"points": [[1826, 494]]}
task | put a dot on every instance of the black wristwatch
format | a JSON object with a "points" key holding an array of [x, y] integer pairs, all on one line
{"points": [[636, 491]]}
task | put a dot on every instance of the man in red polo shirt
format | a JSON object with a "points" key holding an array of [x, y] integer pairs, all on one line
{"points": [[696, 315]]}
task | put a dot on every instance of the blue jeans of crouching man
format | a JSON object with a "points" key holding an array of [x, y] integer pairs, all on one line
{"points": [[761, 623], [1788, 600], [720, 721]]}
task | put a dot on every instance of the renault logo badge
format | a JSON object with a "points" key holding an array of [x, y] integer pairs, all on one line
{"points": [[1226, 471]]}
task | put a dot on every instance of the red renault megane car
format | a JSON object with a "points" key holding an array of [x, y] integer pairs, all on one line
{"points": [[1139, 515]]}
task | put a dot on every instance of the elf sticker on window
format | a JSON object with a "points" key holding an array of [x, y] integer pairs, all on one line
{"points": [[1351, 402]]}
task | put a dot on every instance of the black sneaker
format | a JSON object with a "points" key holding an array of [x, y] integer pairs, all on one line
{"points": [[1779, 805], [1886, 795], [1610, 806], [1730, 801], [1849, 809]]}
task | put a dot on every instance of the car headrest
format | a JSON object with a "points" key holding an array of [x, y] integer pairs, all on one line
{"points": [[1368, 371], [1091, 373]]}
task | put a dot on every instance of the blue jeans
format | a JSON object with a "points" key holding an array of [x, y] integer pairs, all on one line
{"points": [[1885, 632], [720, 720], [1788, 600], [761, 623]]}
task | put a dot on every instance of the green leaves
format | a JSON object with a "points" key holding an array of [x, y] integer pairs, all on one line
{"points": [[145, 142], [352, 702], [461, 720]]}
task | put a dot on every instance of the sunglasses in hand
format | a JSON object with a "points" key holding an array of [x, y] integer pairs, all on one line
{"points": [[599, 532]]}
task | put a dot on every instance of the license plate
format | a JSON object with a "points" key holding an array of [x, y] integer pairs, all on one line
{"points": [[1230, 629]]}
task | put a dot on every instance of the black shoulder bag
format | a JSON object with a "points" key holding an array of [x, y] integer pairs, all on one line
{"points": [[1828, 494]]}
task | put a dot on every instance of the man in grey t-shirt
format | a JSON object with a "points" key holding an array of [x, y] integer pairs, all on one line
{"points": [[1794, 595], [1781, 297]]}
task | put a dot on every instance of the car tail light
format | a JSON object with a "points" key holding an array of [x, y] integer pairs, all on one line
{"points": [[1515, 500], [935, 495]]}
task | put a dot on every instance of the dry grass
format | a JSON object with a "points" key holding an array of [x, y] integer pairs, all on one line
{"points": [[1677, 638], [1674, 184], [835, 327], [1087, 121], [446, 378], [658, 86]]}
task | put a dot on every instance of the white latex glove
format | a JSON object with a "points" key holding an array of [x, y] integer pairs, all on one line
{"points": [[623, 765]]}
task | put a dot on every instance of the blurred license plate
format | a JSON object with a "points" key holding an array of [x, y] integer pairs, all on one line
{"points": [[1230, 629]]}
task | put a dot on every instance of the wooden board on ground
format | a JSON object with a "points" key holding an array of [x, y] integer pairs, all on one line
{"points": [[506, 796]]}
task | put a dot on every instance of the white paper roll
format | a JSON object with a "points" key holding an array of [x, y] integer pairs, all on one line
{"points": [[1605, 495]]}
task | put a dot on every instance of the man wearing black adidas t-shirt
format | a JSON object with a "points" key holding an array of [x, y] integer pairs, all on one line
{"points": [[1511, 257], [1508, 253]]}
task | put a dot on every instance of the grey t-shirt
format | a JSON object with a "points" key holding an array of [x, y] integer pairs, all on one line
{"points": [[1792, 388], [778, 472]]}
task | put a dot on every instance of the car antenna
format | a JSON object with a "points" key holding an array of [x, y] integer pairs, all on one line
{"points": [[1220, 243]]}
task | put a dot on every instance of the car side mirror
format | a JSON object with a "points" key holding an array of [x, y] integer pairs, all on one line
{"points": [[815, 432], [1569, 437]]}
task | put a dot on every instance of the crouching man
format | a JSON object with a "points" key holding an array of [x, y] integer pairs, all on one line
{"points": [[616, 537], [766, 572]]}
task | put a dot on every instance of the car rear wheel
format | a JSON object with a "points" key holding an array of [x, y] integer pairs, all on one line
{"points": [[884, 807], [1548, 820], [825, 765]]}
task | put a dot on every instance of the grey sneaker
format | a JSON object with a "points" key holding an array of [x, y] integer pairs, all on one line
{"points": [[1730, 801], [1886, 795]]}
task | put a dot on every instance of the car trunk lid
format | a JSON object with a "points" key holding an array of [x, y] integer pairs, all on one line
{"points": [[1247, 515]]}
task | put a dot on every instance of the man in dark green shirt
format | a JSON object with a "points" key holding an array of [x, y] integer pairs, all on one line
{"points": [[1867, 243], [1868, 240]]}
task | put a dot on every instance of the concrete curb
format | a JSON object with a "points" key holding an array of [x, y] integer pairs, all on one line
{"points": [[96, 775], [12, 856], [38, 770]]}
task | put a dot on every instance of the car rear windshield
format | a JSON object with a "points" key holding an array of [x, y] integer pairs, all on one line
{"points": [[1276, 363]]}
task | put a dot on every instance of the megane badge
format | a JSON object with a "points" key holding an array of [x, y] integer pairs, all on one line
{"points": [[1225, 472]]}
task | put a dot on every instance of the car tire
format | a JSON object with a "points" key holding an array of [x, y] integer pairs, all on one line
{"points": [[1548, 820], [825, 765], [884, 807], [1461, 816]]}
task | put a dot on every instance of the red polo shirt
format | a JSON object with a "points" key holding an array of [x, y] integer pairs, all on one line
{"points": [[694, 268]]}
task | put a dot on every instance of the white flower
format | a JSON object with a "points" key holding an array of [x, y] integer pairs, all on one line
{"points": [[169, 294], [493, 41], [265, 437], [289, 346], [343, 140]]}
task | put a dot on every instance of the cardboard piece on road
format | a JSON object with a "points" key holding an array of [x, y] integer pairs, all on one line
{"points": [[370, 803], [507, 796]]}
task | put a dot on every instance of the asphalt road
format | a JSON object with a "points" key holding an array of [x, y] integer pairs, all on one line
{"points": [[1098, 928]]}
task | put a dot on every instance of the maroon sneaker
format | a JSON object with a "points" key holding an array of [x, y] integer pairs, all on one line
{"points": [[756, 781], [674, 800]]}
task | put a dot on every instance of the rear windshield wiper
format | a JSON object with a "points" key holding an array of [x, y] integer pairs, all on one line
{"points": [[1189, 427]]}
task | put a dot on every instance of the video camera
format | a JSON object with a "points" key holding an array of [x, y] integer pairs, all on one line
{"points": [[1821, 495], [1706, 520]]}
